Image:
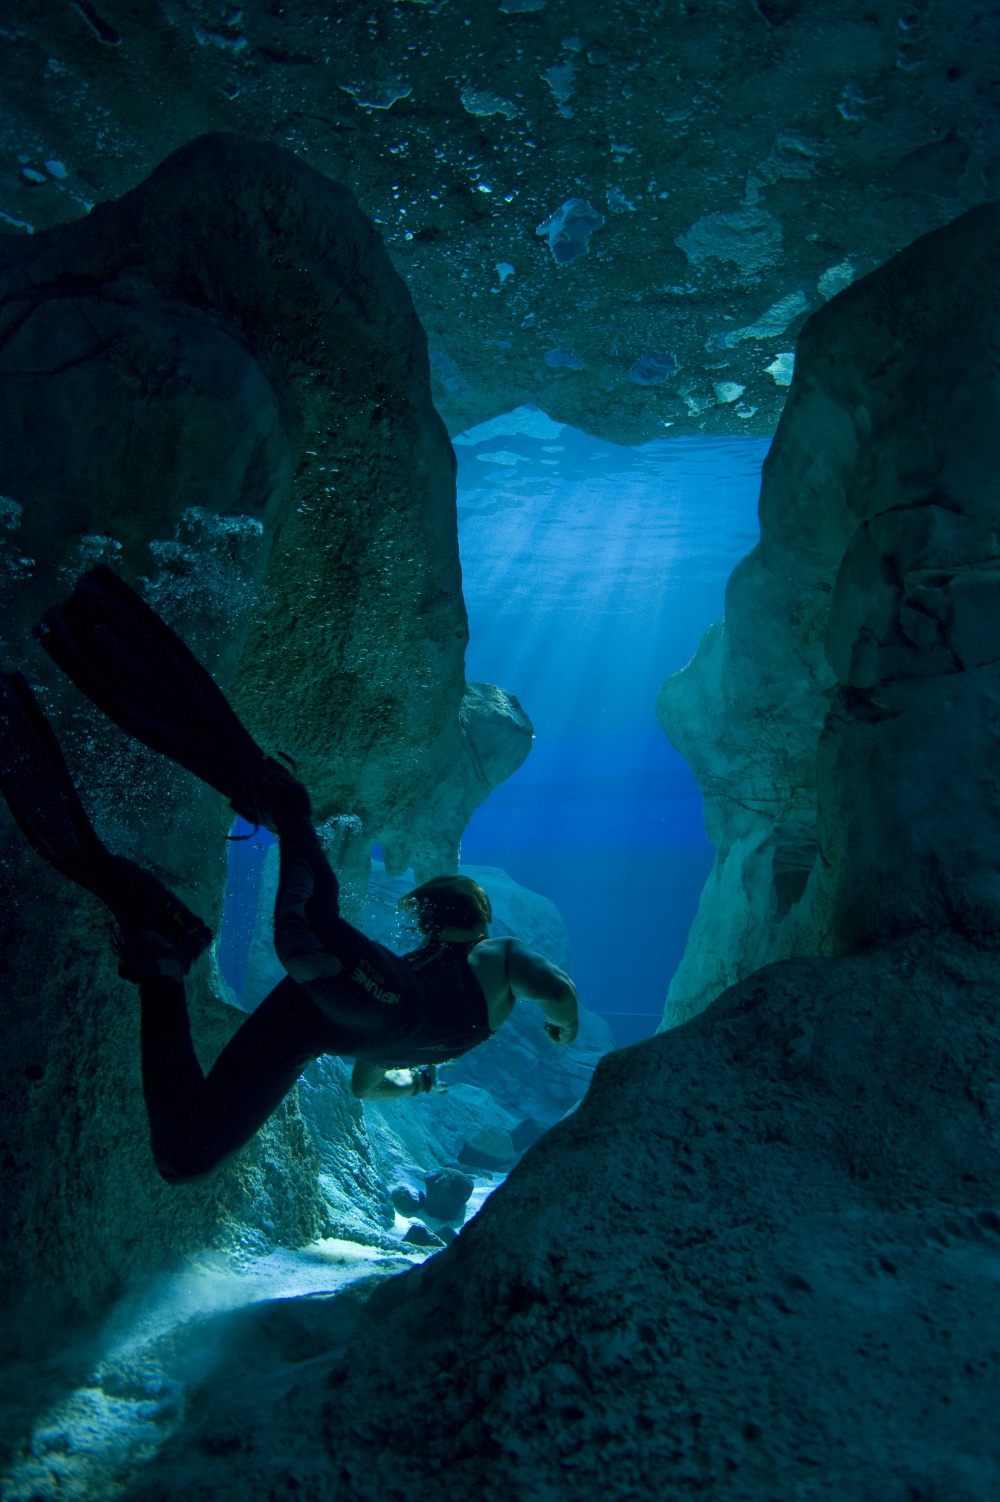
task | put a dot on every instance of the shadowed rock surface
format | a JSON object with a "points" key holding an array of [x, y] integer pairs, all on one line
{"points": [[842, 720], [759, 1261], [747, 160], [218, 384], [237, 281]]}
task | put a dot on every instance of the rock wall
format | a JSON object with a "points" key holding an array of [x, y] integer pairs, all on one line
{"points": [[842, 719], [759, 1261], [217, 383]]}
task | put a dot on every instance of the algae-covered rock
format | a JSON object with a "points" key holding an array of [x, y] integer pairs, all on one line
{"points": [[751, 1264], [842, 719], [217, 384]]}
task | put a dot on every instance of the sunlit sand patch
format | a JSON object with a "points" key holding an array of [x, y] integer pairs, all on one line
{"points": [[160, 1343]]}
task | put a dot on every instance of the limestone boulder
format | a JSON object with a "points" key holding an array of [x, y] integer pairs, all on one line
{"points": [[447, 1194], [218, 384], [842, 719], [758, 1261]]}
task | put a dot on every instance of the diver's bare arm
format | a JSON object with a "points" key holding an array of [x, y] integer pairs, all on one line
{"points": [[371, 1082], [535, 978]]}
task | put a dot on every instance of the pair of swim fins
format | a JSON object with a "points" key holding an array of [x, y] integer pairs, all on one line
{"points": [[138, 671]]}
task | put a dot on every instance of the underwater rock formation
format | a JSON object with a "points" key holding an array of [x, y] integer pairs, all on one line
{"points": [[217, 383], [758, 1261], [411, 1139], [841, 720], [746, 159], [250, 399]]}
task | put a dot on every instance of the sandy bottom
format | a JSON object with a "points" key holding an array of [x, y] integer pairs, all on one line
{"points": [[79, 1426]]}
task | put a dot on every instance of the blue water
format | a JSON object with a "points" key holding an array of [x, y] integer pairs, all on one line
{"points": [[590, 572], [246, 867]]}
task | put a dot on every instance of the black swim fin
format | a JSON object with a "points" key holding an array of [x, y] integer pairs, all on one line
{"points": [[133, 667], [40, 792], [36, 783]]}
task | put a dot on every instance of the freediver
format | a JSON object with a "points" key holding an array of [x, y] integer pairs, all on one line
{"points": [[343, 993]]}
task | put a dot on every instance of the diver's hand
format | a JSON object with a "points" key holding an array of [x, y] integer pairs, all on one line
{"points": [[425, 1080], [562, 1033]]}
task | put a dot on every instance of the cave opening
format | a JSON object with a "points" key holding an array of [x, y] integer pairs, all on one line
{"points": [[590, 572]]}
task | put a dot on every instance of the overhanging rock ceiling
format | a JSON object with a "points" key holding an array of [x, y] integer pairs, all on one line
{"points": [[621, 213]]}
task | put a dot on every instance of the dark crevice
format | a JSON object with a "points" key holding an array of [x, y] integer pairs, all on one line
{"points": [[105, 34]]}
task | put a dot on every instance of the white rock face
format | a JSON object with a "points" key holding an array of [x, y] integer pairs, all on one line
{"points": [[842, 719]]}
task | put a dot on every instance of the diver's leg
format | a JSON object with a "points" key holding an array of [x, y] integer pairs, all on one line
{"points": [[360, 988], [197, 1122], [172, 1081], [128, 662], [307, 922]]}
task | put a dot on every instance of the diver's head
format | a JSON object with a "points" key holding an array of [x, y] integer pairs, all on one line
{"points": [[455, 904]]}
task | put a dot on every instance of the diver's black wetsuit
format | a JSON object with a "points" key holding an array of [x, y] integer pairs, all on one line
{"points": [[395, 1010], [345, 994]]}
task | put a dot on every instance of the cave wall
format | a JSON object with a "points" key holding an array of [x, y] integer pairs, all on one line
{"points": [[219, 385], [841, 720], [759, 1261]]}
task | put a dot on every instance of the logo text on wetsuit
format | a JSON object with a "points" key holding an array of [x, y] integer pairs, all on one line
{"points": [[373, 988]]}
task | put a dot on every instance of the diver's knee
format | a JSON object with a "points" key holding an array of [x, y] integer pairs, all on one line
{"points": [[301, 953], [185, 1167], [308, 967]]}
